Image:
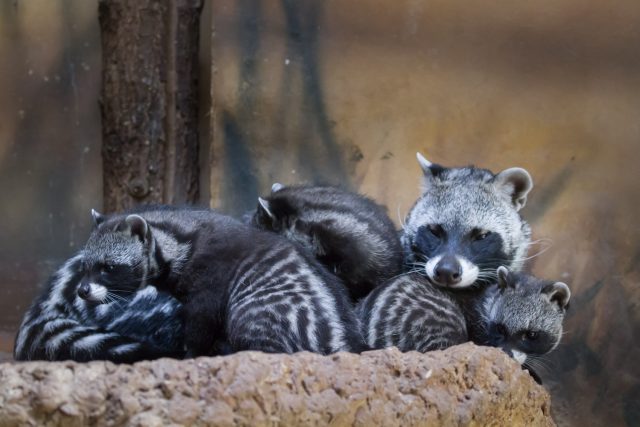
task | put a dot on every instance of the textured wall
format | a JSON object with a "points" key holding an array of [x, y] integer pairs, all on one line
{"points": [[347, 92], [50, 170]]}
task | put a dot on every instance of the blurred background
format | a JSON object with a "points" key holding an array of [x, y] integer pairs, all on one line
{"points": [[346, 92]]}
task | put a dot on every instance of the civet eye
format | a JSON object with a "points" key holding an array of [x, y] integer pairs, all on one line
{"points": [[435, 229], [530, 335], [481, 234], [108, 268]]}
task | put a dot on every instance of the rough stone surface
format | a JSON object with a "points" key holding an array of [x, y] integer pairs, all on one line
{"points": [[464, 385]]}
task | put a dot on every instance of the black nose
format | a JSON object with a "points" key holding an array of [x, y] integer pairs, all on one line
{"points": [[448, 271], [83, 290]]}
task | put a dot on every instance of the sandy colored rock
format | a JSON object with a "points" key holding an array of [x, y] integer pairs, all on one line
{"points": [[465, 384]]}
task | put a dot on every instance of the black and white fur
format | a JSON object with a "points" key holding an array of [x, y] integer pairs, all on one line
{"points": [[520, 314], [347, 232], [412, 314], [124, 328], [250, 289], [466, 224]]}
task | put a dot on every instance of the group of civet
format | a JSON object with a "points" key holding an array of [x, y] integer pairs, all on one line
{"points": [[314, 268]]}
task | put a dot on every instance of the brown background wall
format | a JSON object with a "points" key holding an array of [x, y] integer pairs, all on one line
{"points": [[50, 168], [347, 92]]}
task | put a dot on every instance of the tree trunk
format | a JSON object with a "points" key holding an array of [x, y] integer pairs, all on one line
{"points": [[149, 101]]}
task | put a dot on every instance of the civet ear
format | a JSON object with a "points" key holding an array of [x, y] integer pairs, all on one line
{"points": [[98, 218], [514, 183], [424, 163], [427, 173], [276, 187], [138, 227], [503, 277], [263, 205], [559, 293]]}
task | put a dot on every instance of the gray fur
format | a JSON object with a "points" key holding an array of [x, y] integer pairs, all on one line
{"points": [[132, 241], [470, 200], [517, 304]]}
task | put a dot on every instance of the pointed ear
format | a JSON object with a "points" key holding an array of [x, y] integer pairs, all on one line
{"points": [[427, 173], [425, 164], [503, 277], [276, 187], [515, 183], [98, 218], [138, 227], [559, 293], [263, 216], [263, 205]]}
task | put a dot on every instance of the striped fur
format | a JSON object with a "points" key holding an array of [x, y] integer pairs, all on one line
{"points": [[62, 326], [349, 233], [520, 314], [412, 314], [249, 289]]}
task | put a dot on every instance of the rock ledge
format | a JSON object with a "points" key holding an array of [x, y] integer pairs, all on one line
{"points": [[465, 384]]}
